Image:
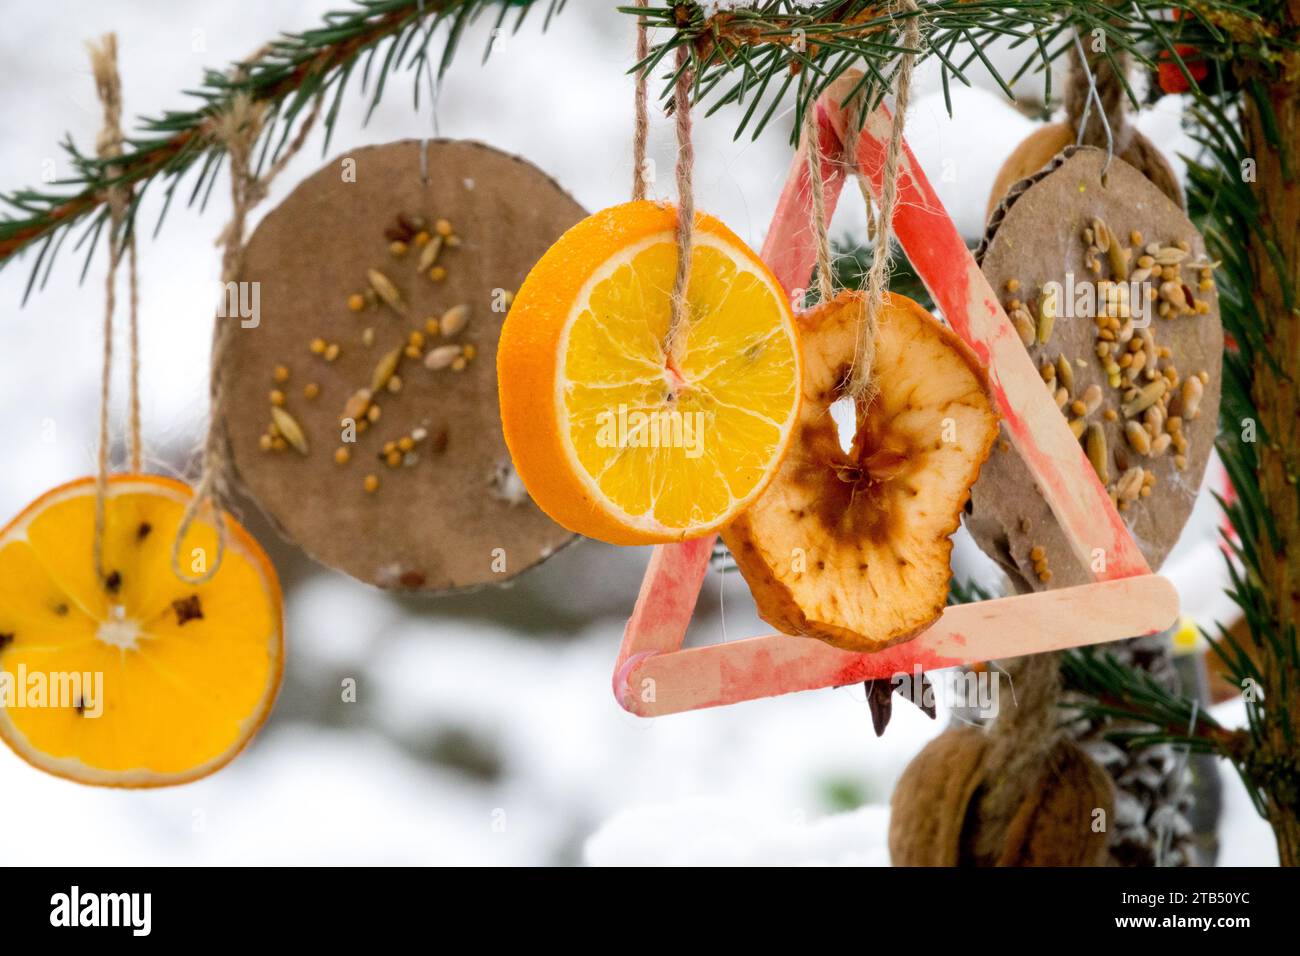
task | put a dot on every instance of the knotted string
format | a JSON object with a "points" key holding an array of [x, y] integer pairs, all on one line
{"points": [[237, 130], [108, 85], [861, 387]]}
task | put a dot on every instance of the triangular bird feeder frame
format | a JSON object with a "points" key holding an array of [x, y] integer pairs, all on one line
{"points": [[655, 675]]}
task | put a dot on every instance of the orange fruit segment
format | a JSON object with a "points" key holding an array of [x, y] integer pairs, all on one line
{"points": [[147, 680], [619, 434]]}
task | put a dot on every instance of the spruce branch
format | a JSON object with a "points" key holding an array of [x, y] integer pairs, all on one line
{"points": [[771, 39], [287, 75]]}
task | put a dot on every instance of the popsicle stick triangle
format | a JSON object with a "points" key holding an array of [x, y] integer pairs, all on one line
{"points": [[654, 675]]}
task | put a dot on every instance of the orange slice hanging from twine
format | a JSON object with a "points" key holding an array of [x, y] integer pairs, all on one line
{"points": [[851, 546], [619, 435], [148, 681]]}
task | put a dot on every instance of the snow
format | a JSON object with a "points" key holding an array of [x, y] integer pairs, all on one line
{"points": [[483, 729], [714, 832]]}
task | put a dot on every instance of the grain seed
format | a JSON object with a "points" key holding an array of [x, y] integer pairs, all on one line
{"points": [[289, 429], [442, 357], [385, 369], [385, 289], [454, 320], [1095, 446]]}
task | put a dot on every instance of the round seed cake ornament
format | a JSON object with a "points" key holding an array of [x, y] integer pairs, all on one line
{"points": [[1110, 286], [363, 412], [649, 368], [122, 668]]}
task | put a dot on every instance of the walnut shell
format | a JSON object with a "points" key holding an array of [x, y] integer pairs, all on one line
{"points": [[929, 806], [935, 815]]}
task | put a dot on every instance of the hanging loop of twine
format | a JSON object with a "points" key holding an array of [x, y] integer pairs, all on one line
{"points": [[861, 385], [679, 318], [817, 194], [237, 129], [108, 86]]}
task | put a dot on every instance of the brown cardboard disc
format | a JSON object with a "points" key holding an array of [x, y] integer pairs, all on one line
{"points": [[455, 516], [1036, 236]]}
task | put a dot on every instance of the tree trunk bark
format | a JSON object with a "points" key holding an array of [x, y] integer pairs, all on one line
{"points": [[1274, 389]]}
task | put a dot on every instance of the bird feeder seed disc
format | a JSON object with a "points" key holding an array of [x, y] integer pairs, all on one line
{"points": [[1143, 401], [361, 397]]}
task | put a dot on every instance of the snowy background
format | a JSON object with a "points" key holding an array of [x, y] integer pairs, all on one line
{"points": [[484, 731]]}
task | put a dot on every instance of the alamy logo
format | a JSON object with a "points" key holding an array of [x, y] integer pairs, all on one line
{"points": [[133, 910], [1088, 299], [82, 691], [667, 428]]}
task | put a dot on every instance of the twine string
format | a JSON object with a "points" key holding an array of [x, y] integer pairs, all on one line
{"points": [[685, 233], [238, 130], [817, 189], [108, 86], [1021, 739], [641, 124], [861, 385]]}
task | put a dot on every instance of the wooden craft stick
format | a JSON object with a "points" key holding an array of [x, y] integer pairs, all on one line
{"points": [[655, 684]]}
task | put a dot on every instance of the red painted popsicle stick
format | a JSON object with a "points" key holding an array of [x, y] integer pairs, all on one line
{"points": [[1098, 535], [654, 676], [654, 684]]}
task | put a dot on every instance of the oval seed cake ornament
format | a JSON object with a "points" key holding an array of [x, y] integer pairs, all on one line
{"points": [[1110, 288], [363, 412]]}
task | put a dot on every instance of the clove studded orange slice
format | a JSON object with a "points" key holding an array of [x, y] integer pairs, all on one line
{"points": [[620, 434], [132, 678]]}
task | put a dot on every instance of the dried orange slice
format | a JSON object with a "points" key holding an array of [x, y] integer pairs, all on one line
{"points": [[852, 546], [619, 435], [148, 681]]}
